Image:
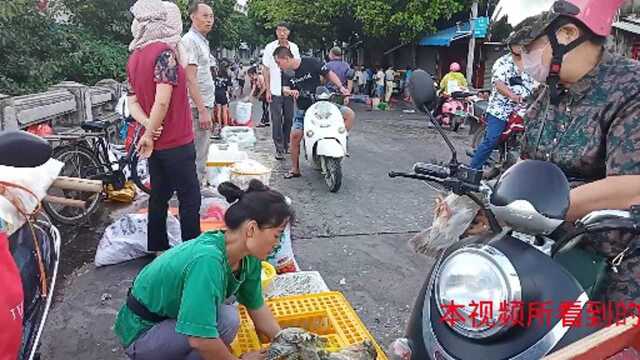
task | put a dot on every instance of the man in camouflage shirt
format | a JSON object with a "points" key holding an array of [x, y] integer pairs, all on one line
{"points": [[590, 127]]}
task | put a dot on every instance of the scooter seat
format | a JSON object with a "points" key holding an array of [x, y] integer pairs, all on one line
{"points": [[22, 149], [95, 126]]}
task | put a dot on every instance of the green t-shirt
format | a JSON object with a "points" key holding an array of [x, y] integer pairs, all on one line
{"points": [[188, 283]]}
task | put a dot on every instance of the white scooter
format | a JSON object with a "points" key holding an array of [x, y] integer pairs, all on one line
{"points": [[325, 137]]}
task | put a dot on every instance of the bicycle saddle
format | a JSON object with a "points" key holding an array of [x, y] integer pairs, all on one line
{"points": [[22, 149], [95, 126]]}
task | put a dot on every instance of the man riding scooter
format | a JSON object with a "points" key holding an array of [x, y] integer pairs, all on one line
{"points": [[305, 78], [510, 86]]}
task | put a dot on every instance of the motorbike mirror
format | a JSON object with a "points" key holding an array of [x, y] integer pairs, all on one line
{"points": [[422, 90]]}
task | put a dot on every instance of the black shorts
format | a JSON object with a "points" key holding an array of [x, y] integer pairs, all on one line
{"points": [[221, 99]]}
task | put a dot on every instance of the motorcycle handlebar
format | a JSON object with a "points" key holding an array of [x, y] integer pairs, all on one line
{"points": [[437, 171]]}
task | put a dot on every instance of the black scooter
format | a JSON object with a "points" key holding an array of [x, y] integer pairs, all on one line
{"points": [[532, 261], [35, 246]]}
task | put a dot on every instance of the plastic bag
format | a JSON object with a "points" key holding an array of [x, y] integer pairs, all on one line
{"points": [[242, 135], [243, 113], [212, 213], [37, 179], [43, 129], [126, 239], [11, 302], [452, 217], [282, 257], [125, 195]]}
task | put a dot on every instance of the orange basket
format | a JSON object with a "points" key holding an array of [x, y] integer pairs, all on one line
{"points": [[327, 314]]}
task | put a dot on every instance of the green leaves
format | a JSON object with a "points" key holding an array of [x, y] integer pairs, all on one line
{"points": [[324, 21], [40, 52]]}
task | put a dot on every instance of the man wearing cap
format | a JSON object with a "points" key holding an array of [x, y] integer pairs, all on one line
{"points": [[587, 121], [344, 72], [281, 106]]}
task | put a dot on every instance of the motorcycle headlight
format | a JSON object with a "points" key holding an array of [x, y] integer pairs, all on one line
{"points": [[478, 280]]}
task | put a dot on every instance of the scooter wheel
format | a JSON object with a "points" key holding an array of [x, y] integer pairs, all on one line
{"points": [[333, 173]]}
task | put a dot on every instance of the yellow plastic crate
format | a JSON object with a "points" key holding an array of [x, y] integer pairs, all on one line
{"points": [[327, 314]]}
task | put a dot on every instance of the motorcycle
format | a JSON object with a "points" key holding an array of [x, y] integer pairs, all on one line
{"points": [[325, 136], [35, 247], [507, 150], [532, 260]]}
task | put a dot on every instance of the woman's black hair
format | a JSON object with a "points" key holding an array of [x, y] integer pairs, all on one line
{"points": [[267, 207], [223, 70]]}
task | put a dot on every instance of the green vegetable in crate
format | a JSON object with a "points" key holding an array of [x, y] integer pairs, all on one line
{"points": [[299, 344]]}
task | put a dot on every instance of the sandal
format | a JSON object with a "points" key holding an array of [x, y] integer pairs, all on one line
{"points": [[291, 175]]}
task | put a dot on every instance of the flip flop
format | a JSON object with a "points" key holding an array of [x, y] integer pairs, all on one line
{"points": [[291, 175]]}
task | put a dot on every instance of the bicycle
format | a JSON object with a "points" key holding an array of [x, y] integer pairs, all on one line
{"points": [[86, 155]]}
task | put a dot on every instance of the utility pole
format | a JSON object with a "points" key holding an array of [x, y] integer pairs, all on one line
{"points": [[472, 41]]}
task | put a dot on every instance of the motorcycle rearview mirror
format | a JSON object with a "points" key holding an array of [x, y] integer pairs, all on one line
{"points": [[423, 93]]}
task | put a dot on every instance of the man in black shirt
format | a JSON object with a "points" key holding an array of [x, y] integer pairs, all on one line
{"points": [[306, 78]]}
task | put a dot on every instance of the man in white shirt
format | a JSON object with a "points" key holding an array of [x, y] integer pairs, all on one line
{"points": [[379, 83], [281, 106], [390, 77], [200, 80]]}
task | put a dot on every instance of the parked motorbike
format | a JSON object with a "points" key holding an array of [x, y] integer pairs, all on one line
{"points": [[325, 136], [35, 246], [477, 107], [532, 260]]}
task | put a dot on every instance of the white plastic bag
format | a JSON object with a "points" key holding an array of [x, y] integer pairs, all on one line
{"points": [[282, 257], [126, 239], [243, 113], [242, 135], [37, 179]]}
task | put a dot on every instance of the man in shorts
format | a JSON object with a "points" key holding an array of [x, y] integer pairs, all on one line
{"points": [[306, 73]]}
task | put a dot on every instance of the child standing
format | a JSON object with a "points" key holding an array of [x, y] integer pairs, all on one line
{"points": [[223, 84], [259, 91]]}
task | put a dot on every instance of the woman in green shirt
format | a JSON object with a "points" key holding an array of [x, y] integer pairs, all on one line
{"points": [[176, 308]]}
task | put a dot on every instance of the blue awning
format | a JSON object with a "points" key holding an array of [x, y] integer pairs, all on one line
{"points": [[447, 36]]}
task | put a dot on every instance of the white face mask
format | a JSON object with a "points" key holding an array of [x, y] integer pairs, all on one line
{"points": [[534, 66]]}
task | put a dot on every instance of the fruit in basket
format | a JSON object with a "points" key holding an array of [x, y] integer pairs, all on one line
{"points": [[299, 344]]}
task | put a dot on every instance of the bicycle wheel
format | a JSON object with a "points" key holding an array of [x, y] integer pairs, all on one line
{"points": [[139, 172], [79, 162]]}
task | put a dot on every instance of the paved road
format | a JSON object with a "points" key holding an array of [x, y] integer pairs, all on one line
{"points": [[356, 238]]}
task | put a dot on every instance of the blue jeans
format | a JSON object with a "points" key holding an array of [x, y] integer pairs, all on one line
{"points": [[495, 127]]}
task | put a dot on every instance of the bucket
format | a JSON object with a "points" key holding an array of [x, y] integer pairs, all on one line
{"points": [[243, 113], [243, 171], [219, 161]]}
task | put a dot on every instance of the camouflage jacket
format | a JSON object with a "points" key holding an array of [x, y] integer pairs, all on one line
{"points": [[594, 132]]}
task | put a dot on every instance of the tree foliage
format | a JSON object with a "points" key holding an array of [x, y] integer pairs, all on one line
{"points": [[44, 51], [107, 18], [501, 29], [324, 21]]}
